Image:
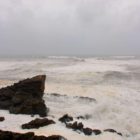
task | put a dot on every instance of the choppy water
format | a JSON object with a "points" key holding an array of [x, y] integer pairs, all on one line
{"points": [[114, 82]]}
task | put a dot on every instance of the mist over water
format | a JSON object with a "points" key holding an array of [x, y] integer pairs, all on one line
{"points": [[111, 82]]}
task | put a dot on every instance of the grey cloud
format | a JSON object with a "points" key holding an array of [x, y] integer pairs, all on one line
{"points": [[70, 27]]}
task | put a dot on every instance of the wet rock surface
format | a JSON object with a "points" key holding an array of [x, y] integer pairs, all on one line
{"points": [[7, 135], [2, 119], [25, 97], [87, 131], [75, 126], [66, 118], [97, 131], [37, 123], [113, 131], [79, 127]]}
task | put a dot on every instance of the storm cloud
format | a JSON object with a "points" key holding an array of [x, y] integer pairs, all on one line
{"points": [[69, 27]]}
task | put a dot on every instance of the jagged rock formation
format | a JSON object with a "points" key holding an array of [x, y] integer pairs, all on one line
{"points": [[7, 135], [25, 97], [37, 123]]}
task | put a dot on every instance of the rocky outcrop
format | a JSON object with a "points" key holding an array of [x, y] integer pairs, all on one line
{"points": [[75, 126], [80, 127], [37, 123], [2, 119], [25, 97], [66, 118], [7, 135]]}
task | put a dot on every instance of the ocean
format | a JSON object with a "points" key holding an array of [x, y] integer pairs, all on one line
{"points": [[112, 82]]}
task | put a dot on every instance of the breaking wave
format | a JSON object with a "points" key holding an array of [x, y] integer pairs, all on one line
{"points": [[106, 90]]}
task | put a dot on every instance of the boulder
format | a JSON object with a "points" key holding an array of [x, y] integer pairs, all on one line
{"points": [[2, 119], [7, 135], [75, 126], [110, 130], [96, 131], [25, 97], [37, 123], [87, 131], [66, 118]]}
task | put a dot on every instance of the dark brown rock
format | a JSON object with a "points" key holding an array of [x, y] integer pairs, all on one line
{"points": [[2, 119], [96, 131], [113, 131], [25, 97], [75, 126], [110, 130], [55, 137], [24, 136], [66, 118], [37, 123], [80, 127], [87, 131], [119, 133], [7, 135]]}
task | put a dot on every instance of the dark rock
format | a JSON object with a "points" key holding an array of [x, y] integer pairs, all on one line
{"points": [[72, 126], [80, 127], [55, 137], [75, 126], [37, 123], [113, 131], [2, 119], [66, 118], [25, 97], [110, 130], [7, 135], [87, 131], [96, 131], [119, 133], [26, 136]]}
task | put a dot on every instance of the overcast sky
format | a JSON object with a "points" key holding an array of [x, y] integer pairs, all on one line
{"points": [[70, 27]]}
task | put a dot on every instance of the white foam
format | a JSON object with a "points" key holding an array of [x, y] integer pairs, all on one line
{"points": [[118, 98]]}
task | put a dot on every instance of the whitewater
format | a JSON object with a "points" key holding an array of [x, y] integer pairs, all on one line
{"points": [[113, 84]]}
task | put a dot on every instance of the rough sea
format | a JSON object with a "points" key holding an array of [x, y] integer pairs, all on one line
{"points": [[113, 84]]}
